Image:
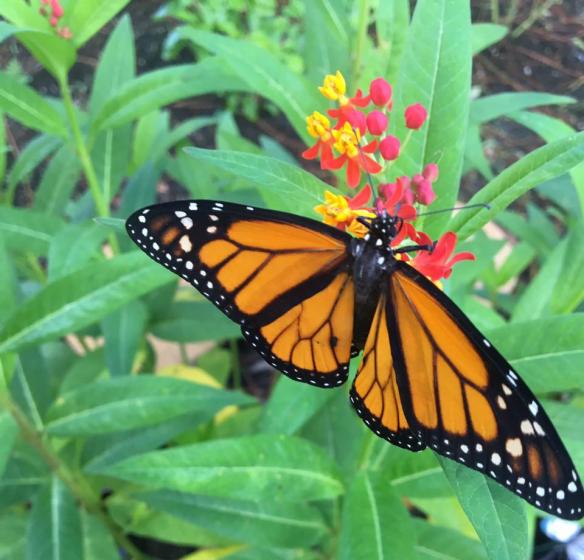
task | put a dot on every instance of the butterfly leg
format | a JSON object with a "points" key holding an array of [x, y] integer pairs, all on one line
{"points": [[410, 248]]}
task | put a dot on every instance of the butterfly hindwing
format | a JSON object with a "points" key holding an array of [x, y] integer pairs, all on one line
{"points": [[375, 393], [284, 279], [468, 404]]}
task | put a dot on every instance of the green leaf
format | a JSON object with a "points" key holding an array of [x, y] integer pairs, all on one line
{"points": [[33, 154], [8, 433], [538, 166], [299, 191], [123, 331], [498, 516], [25, 105], [539, 357], [326, 43], [257, 467], [116, 66], [98, 543], [80, 299], [127, 403], [392, 21], [266, 523], [262, 73], [155, 89], [370, 508], [12, 535], [445, 544], [27, 230], [9, 288], [291, 405], [74, 247], [87, 17], [483, 35], [58, 182], [436, 72], [194, 321], [490, 107], [54, 529]]}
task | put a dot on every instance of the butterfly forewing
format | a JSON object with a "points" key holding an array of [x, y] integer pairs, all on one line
{"points": [[284, 278], [468, 404]]}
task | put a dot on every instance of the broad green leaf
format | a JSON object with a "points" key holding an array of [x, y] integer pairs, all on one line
{"points": [[25, 105], [265, 523], [98, 543], [369, 510], [538, 166], [80, 299], [54, 529], [123, 331], [148, 132], [24, 474], [8, 433], [116, 66], [7, 30], [485, 109], [111, 157], [58, 182], [262, 73], [299, 191], [483, 35], [194, 321], [326, 43], [291, 405], [25, 230], [158, 88], [474, 152], [13, 535], [3, 148], [74, 247], [436, 72], [31, 156], [441, 543], [498, 516], [9, 288], [568, 420], [126, 403], [556, 288], [552, 129], [261, 467], [139, 191], [547, 363], [87, 17]]}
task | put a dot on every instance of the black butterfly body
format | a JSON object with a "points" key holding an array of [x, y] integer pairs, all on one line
{"points": [[309, 297]]}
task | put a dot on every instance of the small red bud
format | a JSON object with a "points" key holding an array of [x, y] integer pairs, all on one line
{"points": [[417, 179], [54, 21], [415, 116], [57, 8], [425, 195], [45, 1], [380, 92], [376, 122], [430, 172], [357, 121], [389, 148]]}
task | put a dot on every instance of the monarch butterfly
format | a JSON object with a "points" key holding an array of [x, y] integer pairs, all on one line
{"points": [[309, 297]]}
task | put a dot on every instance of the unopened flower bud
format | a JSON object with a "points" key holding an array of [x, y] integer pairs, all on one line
{"points": [[357, 121], [424, 193], [380, 92], [376, 122], [430, 172], [415, 116], [389, 148]]}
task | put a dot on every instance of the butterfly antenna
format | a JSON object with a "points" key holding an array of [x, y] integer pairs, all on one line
{"points": [[466, 207]]}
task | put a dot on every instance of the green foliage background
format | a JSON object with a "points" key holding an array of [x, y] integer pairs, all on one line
{"points": [[185, 459]]}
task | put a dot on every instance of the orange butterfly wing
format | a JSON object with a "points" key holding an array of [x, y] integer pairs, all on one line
{"points": [[284, 279]]}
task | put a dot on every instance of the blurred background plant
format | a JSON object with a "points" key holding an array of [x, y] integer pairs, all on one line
{"points": [[132, 415]]}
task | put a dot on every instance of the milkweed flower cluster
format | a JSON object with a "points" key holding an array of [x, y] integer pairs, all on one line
{"points": [[354, 135], [53, 11]]}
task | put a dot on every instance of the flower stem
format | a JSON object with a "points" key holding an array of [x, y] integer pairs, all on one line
{"points": [[362, 26]]}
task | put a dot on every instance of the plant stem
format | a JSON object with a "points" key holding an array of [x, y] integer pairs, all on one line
{"points": [[101, 204], [495, 16], [535, 14], [78, 486], [362, 26]]}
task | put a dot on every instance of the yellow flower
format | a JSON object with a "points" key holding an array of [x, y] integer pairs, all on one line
{"points": [[357, 228], [318, 126], [334, 88], [347, 140], [335, 209]]}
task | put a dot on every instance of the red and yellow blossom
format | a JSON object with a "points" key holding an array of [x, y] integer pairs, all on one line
{"points": [[342, 142]]}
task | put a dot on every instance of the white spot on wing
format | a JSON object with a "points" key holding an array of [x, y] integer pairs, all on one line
{"points": [[187, 223], [185, 244], [496, 459], [142, 219], [533, 407], [193, 206], [180, 214], [513, 447]]}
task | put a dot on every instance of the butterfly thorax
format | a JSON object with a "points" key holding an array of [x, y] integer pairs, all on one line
{"points": [[373, 262]]}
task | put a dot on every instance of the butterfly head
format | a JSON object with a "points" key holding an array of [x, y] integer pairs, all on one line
{"points": [[382, 229]]}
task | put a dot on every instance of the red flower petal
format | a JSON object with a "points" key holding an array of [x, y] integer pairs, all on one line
{"points": [[361, 198]]}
